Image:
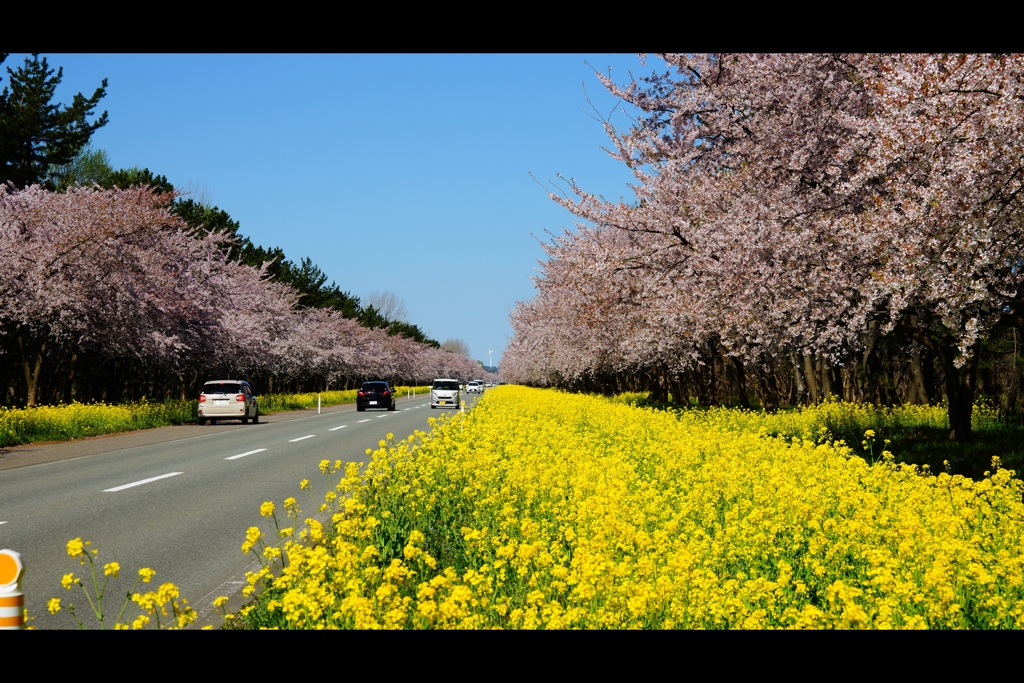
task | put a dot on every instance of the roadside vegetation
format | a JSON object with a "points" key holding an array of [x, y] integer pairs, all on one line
{"points": [[78, 420], [914, 434], [115, 285], [542, 509]]}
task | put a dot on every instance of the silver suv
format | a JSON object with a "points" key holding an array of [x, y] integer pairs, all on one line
{"points": [[228, 399], [445, 393], [476, 386]]}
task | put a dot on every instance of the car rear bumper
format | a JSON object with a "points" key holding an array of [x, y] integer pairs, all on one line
{"points": [[235, 410], [373, 403]]}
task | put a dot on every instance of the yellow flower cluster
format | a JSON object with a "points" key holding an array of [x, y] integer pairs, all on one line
{"points": [[540, 509], [145, 607], [76, 420]]}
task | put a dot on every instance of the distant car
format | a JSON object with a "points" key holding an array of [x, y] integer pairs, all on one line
{"points": [[375, 395], [444, 393], [228, 399], [475, 386]]}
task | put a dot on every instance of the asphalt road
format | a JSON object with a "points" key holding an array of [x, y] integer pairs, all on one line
{"points": [[180, 505]]}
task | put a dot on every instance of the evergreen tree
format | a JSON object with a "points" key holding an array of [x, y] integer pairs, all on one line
{"points": [[129, 177], [36, 135], [90, 167]]}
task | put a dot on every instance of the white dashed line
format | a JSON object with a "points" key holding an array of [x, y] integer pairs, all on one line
{"points": [[308, 436], [334, 429], [366, 420], [3, 522], [379, 416], [140, 483], [242, 455]]}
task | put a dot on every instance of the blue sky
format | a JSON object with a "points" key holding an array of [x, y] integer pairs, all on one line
{"points": [[402, 172]]}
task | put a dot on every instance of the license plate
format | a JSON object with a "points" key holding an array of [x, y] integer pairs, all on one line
{"points": [[373, 403], [445, 402], [220, 401]]}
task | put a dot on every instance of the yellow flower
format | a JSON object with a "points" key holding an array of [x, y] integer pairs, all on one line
{"points": [[267, 509], [53, 605], [304, 484], [325, 466], [111, 569], [147, 574], [75, 547], [68, 581], [220, 601]]}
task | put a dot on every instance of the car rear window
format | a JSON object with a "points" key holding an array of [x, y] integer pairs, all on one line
{"points": [[374, 386], [446, 386], [222, 388]]}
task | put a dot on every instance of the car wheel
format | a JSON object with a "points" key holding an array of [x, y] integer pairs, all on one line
{"points": [[256, 417], [202, 421], [245, 418], [360, 409], [213, 420], [392, 406]]}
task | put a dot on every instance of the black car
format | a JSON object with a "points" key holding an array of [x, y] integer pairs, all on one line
{"points": [[375, 395]]}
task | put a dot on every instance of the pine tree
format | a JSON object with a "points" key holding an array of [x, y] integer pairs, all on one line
{"points": [[36, 135]]}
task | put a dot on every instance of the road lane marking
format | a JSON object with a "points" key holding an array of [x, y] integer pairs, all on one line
{"points": [[334, 429], [140, 483], [381, 416], [309, 436], [3, 522], [242, 455], [366, 420]]}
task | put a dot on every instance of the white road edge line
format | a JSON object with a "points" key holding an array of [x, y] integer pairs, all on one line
{"points": [[309, 436], [366, 420], [3, 522], [242, 455], [140, 483], [334, 429]]}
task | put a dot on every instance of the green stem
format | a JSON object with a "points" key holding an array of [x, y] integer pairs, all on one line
{"points": [[127, 600]]}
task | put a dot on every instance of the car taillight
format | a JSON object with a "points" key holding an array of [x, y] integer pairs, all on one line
{"points": [[385, 393], [240, 398], [202, 398], [362, 394]]}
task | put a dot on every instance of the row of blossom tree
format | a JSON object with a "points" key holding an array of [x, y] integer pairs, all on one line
{"points": [[795, 216], [106, 294]]}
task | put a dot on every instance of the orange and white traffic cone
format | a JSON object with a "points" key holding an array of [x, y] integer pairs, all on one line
{"points": [[12, 600]]}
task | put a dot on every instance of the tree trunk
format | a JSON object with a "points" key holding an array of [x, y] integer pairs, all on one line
{"points": [[798, 381], [32, 365], [826, 383], [961, 385], [741, 382], [918, 391], [809, 377]]}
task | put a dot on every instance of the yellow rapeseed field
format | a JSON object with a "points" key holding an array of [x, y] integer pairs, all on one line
{"points": [[540, 509], [77, 420]]}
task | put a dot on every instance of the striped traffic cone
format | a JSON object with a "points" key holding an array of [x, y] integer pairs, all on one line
{"points": [[12, 600]]}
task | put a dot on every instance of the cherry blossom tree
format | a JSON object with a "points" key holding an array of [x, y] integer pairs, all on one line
{"points": [[792, 203]]}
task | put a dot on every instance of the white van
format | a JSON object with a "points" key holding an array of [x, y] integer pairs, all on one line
{"points": [[445, 394]]}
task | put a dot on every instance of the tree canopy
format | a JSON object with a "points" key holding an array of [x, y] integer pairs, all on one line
{"points": [[794, 206]]}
